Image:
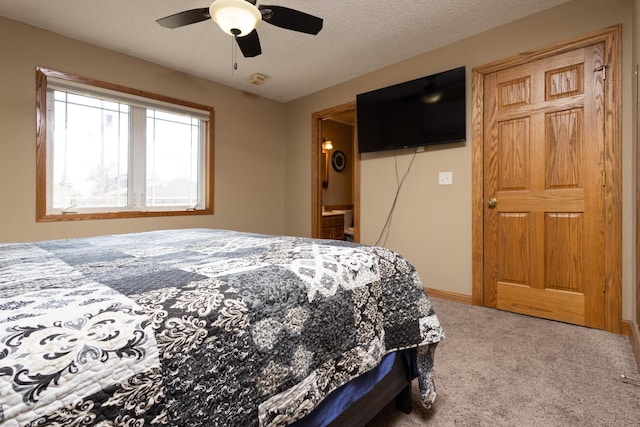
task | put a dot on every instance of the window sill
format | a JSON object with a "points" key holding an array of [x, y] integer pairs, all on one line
{"points": [[117, 215]]}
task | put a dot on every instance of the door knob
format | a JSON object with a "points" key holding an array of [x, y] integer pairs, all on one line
{"points": [[492, 203]]}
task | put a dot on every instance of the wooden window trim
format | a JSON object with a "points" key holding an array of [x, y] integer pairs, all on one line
{"points": [[41, 151]]}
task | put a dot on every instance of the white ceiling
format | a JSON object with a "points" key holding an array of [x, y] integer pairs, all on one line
{"points": [[358, 36]]}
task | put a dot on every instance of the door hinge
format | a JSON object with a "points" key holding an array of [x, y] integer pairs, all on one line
{"points": [[604, 285], [602, 68]]}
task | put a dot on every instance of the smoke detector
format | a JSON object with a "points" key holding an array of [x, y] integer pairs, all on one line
{"points": [[257, 79]]}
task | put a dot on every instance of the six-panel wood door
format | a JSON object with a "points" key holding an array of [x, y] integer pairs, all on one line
{"points": [[544, 165]]}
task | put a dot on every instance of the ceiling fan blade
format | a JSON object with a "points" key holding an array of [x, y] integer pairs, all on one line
{"points": [[291, 19], [249, 44], [187, 17]]}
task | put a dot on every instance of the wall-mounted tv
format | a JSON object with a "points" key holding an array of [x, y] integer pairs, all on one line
{"points": [[425, 111]]}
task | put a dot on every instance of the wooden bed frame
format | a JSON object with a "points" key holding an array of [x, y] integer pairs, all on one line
{"points": [[395, 385]]}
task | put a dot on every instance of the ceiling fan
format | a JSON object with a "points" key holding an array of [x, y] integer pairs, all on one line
{"points": [[239, 18]]}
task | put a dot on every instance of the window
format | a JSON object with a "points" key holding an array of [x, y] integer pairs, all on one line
{"points": [[106, 151]]}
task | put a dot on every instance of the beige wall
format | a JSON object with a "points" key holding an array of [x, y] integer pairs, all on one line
{"points": [[249, 166], [432, 224]]}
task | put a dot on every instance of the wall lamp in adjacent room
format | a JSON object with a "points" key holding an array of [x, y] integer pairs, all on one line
{"points": [[327, 144]]}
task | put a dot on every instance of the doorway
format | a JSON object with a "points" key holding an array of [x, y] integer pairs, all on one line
{"points": [[321, 162], [547, 203]]}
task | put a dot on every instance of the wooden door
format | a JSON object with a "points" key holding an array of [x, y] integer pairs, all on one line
{"points": [[544, 213]]}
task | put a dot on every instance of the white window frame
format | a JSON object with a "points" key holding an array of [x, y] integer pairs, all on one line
{"points": [[49, 80]]}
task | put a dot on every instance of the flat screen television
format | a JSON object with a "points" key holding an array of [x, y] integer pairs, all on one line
{"points": [[425, 111]]}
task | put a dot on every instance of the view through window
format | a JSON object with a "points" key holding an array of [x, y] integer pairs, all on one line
{"points": [[108, 152]]}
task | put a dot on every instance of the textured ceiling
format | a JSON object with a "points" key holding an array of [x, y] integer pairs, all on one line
{"points": [[358, 36]]}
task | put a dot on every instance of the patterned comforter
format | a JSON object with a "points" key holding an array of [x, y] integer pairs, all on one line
{"points": [[199, 327]]}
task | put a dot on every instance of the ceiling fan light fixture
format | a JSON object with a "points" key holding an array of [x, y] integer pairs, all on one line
{"points": [[235, 17]]}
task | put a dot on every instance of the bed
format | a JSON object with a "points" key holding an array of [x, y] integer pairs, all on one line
{"points": [[204, 327]]}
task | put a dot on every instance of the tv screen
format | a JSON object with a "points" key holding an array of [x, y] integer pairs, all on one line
{"points": [[425, 111]]}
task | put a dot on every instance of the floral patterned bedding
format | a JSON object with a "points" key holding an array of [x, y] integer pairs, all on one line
{"points": [[199, 327]]}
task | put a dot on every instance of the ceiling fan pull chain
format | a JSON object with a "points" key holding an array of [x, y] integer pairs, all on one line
{"points": [[234, 58], [234, 50]]}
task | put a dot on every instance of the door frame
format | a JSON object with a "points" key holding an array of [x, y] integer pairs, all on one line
{"points": [[611, 37], [316, 174]]}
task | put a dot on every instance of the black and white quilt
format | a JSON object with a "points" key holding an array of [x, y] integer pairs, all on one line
{"points": [[199, 327]]}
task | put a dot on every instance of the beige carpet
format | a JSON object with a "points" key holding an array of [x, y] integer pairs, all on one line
{"points": [[502, 369]]}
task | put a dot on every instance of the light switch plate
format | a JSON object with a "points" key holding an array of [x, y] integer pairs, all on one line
{"points": [[445, 178]]}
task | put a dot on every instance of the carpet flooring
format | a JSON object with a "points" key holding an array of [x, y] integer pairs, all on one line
{"points": [[496, 368]]}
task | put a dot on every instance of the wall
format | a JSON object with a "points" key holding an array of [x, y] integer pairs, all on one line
{"points": [[431, 225], [249, 160], [340, 188]]}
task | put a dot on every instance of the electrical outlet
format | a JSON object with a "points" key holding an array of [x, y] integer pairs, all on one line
{"points": [[445, 178]]}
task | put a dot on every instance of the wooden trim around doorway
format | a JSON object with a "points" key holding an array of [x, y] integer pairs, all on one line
{"points": [[611, 37]]}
